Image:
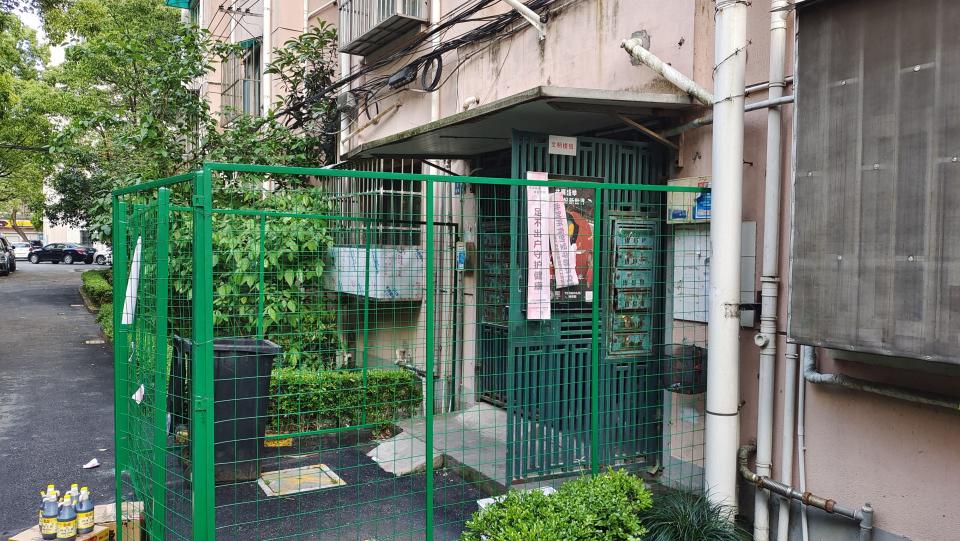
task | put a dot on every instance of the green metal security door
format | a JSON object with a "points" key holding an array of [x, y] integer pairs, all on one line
{"points": [[542, 371]]}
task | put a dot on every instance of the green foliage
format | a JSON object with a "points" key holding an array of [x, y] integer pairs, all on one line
{"points": [[96, 286], [130, 113], [604, 507], [678, 516], [105, 319], [295, 314], [306, 400], [306, 67], [24, 128], [126, 102]]}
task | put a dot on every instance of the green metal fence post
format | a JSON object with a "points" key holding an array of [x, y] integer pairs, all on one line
{"points": [[366, 322], [595, 334], [201, 430], [119, 231], [158, 515], [262, 267], [428, 186]]}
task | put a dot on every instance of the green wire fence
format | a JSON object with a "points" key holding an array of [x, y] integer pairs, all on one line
{"points": [[313, 353]]}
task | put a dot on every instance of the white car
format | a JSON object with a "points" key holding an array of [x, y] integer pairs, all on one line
{"points": [[104, 258], [21, 250]]}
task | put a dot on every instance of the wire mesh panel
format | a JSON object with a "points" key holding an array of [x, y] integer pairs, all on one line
{"points": [[152, 278], [372, 355]]}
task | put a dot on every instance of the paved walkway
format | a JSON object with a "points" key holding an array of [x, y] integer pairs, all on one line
{"points": [[56, 392]]}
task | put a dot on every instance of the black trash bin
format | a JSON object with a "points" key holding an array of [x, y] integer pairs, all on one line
{"points": [[241, 389]]}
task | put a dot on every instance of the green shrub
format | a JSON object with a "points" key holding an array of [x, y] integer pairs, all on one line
{"points": [[305, 400], [296, 314], [678, 516], [603, 507], [108, 275], [96, 287], [105, 319]]}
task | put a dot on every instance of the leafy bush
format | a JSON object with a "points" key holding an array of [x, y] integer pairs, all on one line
{"points": [[295, 315], [604, 507], [305, 400], [96, 287], [105, 319], [678, 516]]}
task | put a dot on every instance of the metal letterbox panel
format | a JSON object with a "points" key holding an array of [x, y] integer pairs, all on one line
{"points": [[635, 258], [631, 322], [640, 236], [636, 343], [634, 299], [632, 278]]}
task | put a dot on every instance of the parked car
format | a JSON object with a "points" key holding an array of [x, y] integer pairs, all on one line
{"points": [[8, 261], [60, 251], [36, 244], [104, 258], [22, 249]]}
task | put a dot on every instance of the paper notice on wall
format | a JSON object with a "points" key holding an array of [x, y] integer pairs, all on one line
{"points": [[565, 271], [538, 249], [133, 281]]}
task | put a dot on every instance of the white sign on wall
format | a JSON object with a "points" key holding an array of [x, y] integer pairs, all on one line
{"points": [[564, 146]]}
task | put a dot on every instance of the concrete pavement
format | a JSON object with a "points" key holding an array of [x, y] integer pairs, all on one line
{"points": [[56, 392]]}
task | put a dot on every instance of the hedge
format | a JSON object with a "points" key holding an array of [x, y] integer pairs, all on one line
{"points": [[304, 400], [105, 319], [604, 507], [96, 286]]}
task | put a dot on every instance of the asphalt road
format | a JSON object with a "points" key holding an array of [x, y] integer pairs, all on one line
{"points": [[56, 392]]}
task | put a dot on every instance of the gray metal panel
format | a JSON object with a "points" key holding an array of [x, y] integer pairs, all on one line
{"points": [[876, 262]]}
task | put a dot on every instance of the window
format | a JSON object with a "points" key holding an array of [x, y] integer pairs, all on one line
{"points": [[241, 82], [396, 204], [876, 220]]}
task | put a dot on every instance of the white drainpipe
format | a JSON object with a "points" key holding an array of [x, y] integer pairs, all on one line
{"points": [[767, 338], [723, 372], [267, 83]]}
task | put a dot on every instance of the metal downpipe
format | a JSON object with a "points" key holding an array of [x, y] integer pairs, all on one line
{"points": [[723, 373]]}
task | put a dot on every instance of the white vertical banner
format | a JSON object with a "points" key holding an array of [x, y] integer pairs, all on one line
{"points": [[564, 258], [538, 248], [130, 300]]}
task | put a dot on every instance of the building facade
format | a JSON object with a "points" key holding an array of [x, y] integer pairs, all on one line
{"points": [[472, 87]]}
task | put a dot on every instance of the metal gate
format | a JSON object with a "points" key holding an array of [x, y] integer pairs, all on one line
{"points": [[543, 371]]}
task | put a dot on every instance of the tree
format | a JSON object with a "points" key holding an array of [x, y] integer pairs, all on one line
{"points": [[128, 106], [24, 129], [130, 112]]}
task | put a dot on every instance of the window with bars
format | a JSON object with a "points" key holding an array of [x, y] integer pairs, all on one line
{"points": [[396, 204], [241, 82]]}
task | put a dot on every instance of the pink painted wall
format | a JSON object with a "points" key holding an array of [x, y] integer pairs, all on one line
{"points": [[582, 50]]}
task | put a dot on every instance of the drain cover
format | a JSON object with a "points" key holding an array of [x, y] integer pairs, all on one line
{"points": [[297, 480]]}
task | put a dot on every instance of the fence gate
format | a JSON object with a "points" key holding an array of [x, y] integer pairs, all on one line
{"points": [[542, 370]]}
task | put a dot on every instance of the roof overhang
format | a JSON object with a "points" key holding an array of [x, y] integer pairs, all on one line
{"points": [[542, 109]]}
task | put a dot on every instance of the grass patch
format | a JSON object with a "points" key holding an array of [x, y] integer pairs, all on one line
{"points": [[678, 516]]}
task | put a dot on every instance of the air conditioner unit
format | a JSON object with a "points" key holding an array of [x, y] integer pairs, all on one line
{"points": [[368, 25]]}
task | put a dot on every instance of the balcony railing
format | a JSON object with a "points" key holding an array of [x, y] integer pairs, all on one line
{"points": [[367, 25]]}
